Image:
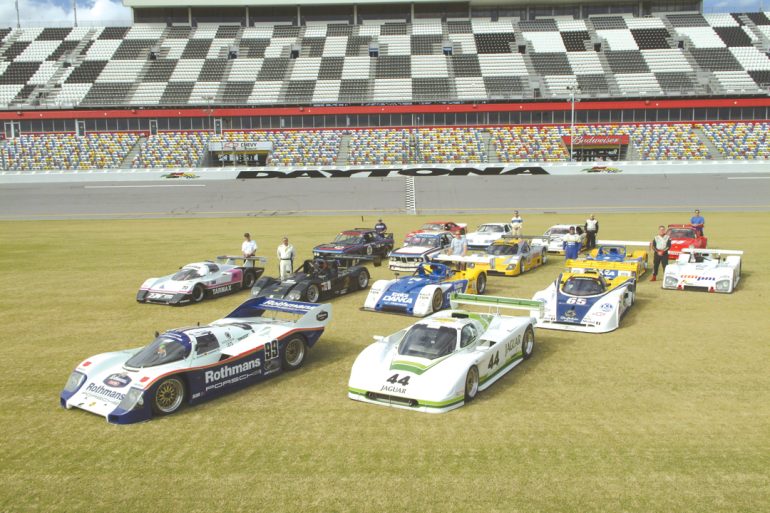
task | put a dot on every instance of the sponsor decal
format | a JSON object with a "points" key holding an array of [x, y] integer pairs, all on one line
{"points": [[407, 171], [222, 290], [398, 297], [272, 303], [393, 388], [570, 314], [602, 169], [230, 374], [595, 140], [180, 174], [158, 295], [513, 345], [322, 316], [104, 392], [606, 307], [698, 278], [117, 380]]}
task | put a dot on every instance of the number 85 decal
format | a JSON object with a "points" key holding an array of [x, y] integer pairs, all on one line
{"points": [[576, 301]]}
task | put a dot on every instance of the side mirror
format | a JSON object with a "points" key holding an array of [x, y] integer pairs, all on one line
{"points": [[379, 338]]}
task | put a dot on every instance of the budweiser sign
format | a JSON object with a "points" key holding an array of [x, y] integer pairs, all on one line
{"points": [[596, 140]]}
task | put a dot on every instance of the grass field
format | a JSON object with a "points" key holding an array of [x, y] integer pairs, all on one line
{"points": [[670, 413]]}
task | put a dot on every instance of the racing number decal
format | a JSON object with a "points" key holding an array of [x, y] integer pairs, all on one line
{"points": [[271, 350], [394, 379], [576, 301], [493, 361]]}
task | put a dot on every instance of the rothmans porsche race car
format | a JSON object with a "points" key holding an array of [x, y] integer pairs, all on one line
{"points": [[190, 365], [586, 301], [443, 361], [509, 256], [553, 238], [613, 257], [705, 270], [195, 282], [316, 279], [427, 290]]}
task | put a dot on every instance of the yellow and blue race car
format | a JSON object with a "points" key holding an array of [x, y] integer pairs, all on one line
{"points": [[508, 256], [613, 258]]}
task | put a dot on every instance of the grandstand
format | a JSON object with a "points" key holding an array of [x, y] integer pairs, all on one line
{"points": [[377, 84]]}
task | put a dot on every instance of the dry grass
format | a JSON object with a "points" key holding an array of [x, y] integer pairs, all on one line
{"points": [[669, 413]]}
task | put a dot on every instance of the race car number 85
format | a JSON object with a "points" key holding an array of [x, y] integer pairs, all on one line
{"points": [[576, 301]]}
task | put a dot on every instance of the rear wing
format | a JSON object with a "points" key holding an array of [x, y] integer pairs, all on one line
{"points": [[717, 252], [610, 269], [622, 243], [312, 315], [495, 303], [233, 260]]}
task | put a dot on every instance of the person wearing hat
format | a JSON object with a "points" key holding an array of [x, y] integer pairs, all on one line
{"points": [[285, 259], [380, 227]]}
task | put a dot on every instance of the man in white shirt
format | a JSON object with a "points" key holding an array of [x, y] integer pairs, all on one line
{"points": [[458, 245], [285, 259], [517, 223], [248, 248], [592, 230]]}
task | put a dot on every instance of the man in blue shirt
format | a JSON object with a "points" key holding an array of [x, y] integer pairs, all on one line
{"points": [[458, 246], [697, 221]]}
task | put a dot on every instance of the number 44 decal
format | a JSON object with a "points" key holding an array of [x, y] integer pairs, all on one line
{"points": [[394, 379], [494, 360]]}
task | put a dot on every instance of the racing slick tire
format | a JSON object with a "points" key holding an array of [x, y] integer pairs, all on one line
{"points": [[169, 395], [471, 383], [312, 293], [198, 293], [362, 280], [528, 343], [293, 354], [481, 283], [437, 301], [249, 278]]}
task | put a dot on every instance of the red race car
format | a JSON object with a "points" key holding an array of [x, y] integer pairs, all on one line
{"points": [[684, 236], [439, 226]]}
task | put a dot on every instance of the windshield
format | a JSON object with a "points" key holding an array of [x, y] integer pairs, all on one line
{"points": [[420, 240], [348, 238], [582, 286], [503, 249], [433, 227], [167, 348], [558, 231], [681, 233], [612, 251], [490, 228], [426, 342], [186, 273]]}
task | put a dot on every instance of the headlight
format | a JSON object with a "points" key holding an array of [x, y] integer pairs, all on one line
{"points": [[294, 295], [74, 382], [670, 282], [723, 285], [471, 265], [510, 267], [132, 399]]}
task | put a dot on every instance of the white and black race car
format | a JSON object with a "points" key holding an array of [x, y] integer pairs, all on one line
{"points": [[197, 281]]}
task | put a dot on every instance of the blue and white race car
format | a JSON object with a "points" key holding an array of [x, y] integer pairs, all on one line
{"points": [[190, 365], [586, 301], [427, 290]]}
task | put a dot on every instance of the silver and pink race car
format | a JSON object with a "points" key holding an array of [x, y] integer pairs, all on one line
{"points": [[200, 280]]}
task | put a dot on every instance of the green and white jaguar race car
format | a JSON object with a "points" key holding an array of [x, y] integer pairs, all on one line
{"points": [[441, 362]]}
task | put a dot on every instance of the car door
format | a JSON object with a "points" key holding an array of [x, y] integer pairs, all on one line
{"points": [[525, 253]]}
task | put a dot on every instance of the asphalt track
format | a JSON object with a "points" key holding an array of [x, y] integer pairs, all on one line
{"points": [[434, 195]]}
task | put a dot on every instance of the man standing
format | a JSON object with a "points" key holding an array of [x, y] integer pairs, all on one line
{"points": [[660, 246], [458, 246], [248, 249], [380, 227], [697, 221], [571, 244], [592, 230], [517, 223], [285, 259]]}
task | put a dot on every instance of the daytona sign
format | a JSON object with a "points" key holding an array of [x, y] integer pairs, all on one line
{"points": [[396, 171]]}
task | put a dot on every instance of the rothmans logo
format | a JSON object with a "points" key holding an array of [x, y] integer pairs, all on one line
{"points": [[230, 370]]}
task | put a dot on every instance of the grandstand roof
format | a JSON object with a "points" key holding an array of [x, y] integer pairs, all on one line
{"points": [[266, 3]]}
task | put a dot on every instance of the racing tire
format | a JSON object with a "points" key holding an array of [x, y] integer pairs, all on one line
{"points": [[362, 280], [437, 301], [198, 293], [293, 354], [528, 343], [248, 279], [481, 283], [471, 384], [169, 395], [312, 293]]}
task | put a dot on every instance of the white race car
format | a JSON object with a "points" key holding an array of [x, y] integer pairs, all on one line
{"points": [[417, 249], [443, 361], [718, 271], [553, 238], [486, 234], [190, 365]]}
